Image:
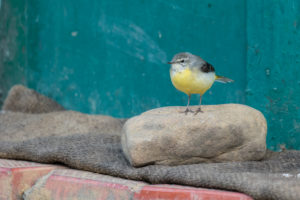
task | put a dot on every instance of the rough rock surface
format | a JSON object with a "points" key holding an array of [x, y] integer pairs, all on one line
{"points": [[229, 132], [16, 126], [22, 99]]}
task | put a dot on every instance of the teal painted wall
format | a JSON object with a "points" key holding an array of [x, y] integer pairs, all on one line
{"points": [[273, 68], [109, 57], [12, 45]]}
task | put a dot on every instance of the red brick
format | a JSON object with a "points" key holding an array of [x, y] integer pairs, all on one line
{"points": [[5, 183], [182, 193], [18, 176], [51, 182], [74, 184]]}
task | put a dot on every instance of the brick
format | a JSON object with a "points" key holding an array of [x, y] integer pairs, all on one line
{"points": [[5, 186], [18, 176], [74, 184], [40, 181], [169, 192]]}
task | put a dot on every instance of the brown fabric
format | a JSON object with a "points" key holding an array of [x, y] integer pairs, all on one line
{"points": [[16, 126], [273, 178], [22, 99]]}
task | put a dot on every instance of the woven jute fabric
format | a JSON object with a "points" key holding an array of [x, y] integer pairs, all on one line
{"points": [[275, 177]]}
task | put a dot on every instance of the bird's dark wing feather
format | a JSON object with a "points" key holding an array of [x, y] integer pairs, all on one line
{"points": [[206, 67]]}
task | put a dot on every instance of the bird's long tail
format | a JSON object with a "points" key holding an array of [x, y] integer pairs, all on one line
{"points": [[223, 79]]}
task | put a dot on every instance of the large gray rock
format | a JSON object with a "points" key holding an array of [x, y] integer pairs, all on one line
{"points": [[16, 126], [22, 99], [229, 132]]}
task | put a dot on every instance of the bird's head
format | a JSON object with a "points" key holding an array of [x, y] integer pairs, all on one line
{"points": [[183, 59]]}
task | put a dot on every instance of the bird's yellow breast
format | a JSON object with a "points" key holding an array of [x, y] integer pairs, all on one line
{"points": [[192, 82]]}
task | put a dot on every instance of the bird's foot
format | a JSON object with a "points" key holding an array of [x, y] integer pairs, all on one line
{"points": [[197, 111], [186, 111]]}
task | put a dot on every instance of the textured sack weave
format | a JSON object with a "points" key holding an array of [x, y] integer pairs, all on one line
{"points": [[273, 178]]}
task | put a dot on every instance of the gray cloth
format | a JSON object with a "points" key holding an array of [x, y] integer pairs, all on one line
{"points": [[273, 178]]}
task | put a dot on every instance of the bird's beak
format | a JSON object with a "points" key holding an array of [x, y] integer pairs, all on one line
{"points": [[171, 62]]}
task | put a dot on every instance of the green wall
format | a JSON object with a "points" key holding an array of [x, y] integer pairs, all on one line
{"points": [[273, 68], [109, 57], [12, 45]]}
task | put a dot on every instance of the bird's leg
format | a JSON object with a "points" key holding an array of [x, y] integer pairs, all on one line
{"points": [[187, 107], [199, 109]]}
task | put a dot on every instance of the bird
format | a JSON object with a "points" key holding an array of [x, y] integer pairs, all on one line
{"points": [[191, 74]]}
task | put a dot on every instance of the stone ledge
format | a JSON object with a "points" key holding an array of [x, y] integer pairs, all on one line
{"points": [[18, 176], [40, 181]]}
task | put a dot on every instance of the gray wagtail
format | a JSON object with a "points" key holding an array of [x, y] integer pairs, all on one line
{"points": [[193, 75]]}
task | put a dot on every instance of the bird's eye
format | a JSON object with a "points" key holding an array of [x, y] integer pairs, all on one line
{"points": [[182, 61]]}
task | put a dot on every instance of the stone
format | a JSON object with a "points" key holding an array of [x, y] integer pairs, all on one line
{"points": [[222, 133], [22, 99], [16, 126]]}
